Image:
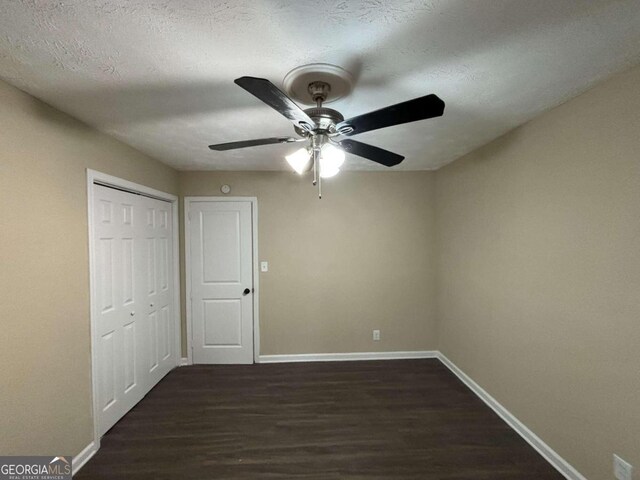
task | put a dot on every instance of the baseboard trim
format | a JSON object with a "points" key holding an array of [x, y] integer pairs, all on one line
{"points": [[84, 456], [550, 455], [342, 357], [521, 429]]}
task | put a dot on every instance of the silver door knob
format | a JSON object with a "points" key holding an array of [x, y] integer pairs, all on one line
{"points": [[132, 313]]}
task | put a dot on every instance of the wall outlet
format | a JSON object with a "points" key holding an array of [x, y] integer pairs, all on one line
{"points": [[621, 469], [264, 266], [376, 335]]}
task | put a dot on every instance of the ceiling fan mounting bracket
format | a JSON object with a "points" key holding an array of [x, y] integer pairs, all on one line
{"points": [[319, 91], [305, 83]]}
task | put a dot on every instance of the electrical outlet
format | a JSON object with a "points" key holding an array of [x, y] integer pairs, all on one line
{"points": [[264, 266], [621, 469], [376, 335]]}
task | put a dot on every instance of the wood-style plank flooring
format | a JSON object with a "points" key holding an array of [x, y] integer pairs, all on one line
{"points": [[404, 419]]}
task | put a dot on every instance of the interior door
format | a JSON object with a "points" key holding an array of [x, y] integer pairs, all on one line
{"points": [[133, 299], [221, 277]]}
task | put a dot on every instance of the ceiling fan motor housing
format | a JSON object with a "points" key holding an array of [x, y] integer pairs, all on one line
{"points": [[325, 118]]}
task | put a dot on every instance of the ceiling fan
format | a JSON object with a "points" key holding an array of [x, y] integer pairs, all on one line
{"points": [[323, 128]]}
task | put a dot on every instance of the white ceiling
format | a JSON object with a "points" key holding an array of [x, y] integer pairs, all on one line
{"points": [[158, 74]]}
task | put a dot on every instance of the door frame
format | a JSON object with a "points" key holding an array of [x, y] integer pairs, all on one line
{"points": [[96, 177], [256, 273]]}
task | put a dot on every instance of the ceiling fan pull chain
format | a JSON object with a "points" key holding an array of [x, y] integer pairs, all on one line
{"points": [[316, 145], [315, 168]]}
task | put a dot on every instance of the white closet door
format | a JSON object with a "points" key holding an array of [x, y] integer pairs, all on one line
{"points": [[133, 304], [158, 235]]}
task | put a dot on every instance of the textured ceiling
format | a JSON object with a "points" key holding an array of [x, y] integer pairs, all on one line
{"points": [[158, 74]]}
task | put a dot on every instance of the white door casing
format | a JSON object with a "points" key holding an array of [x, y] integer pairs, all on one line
{"points": [[133, 299], [221, 283]]}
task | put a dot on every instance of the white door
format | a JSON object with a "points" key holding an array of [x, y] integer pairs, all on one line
{"points": [[221, 277], [159, 293], [133, 307]]}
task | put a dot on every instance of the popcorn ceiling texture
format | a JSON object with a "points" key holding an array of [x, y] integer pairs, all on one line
{"points": [[158, 75]]}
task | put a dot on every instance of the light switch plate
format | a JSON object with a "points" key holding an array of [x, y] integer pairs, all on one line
{"points": [[376, 335], [264, 266], [621, 469]]}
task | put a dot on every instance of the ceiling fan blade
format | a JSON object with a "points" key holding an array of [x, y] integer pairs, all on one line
{"points": [[254, 143], [421, 108], [276, 99], [375, 154]]}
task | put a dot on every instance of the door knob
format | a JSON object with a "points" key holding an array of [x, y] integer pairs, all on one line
{"points": [[132, 313], [246, 291]]}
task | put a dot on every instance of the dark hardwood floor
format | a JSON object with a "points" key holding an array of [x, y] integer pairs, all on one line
{"points": [[404, 419]]}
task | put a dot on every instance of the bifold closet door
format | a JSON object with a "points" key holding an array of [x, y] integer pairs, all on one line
{"points": [[133, 299], [159, 294]]}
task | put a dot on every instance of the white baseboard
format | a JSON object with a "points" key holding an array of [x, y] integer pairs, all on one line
{"points": [[532, 439], [342, 357], [83, 457]]}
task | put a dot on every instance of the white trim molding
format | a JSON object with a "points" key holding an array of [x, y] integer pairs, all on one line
{"points": [[84, 456], [184, 361], [342, 357], [521, 429]]}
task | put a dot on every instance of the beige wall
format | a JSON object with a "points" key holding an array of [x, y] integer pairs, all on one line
{"points": [[534, 242], [538, 293], [45, 379], [357, 260]]}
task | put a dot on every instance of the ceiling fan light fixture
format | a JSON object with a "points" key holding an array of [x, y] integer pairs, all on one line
{"points": [[327, 170], [299, 160], [331, 157]]}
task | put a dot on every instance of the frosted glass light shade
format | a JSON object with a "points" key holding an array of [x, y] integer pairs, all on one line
{"points": [[299, 160], [327, 170], [331, 160]]}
